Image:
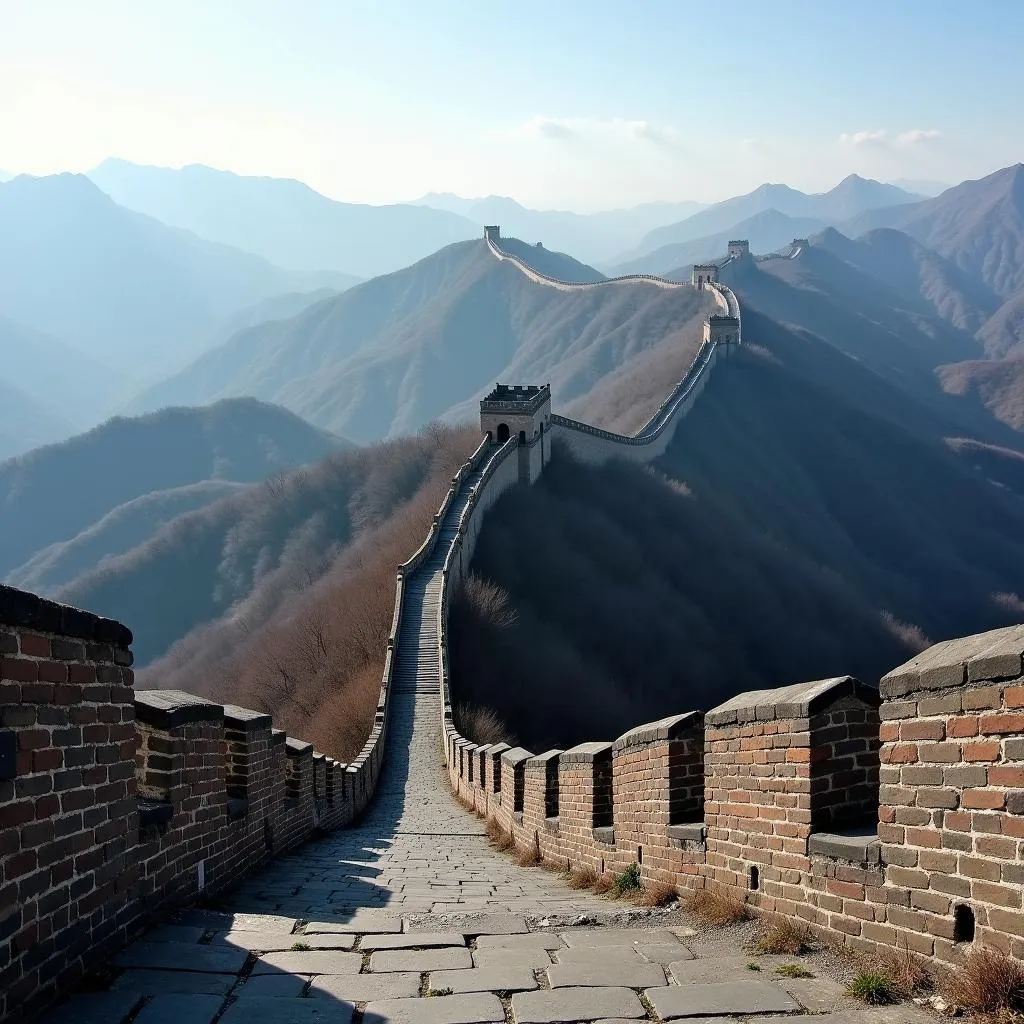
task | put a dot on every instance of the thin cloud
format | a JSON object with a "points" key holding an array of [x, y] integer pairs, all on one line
{"points": [[918, 136], [869, 138], [880, 138], [588, 129]]}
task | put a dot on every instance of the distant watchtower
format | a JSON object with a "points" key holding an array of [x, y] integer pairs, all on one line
{"points": [[521, 412], [492, 232], [722, 330], [739, 249], [703, 275]]}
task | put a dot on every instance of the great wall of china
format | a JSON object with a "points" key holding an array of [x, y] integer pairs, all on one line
{"points": [[890, 817]]}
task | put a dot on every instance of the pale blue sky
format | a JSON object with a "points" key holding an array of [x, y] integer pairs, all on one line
{"points": [[558, 104]]}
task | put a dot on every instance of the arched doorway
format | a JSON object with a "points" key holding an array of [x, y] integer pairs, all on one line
{"points": [[503, 433]]}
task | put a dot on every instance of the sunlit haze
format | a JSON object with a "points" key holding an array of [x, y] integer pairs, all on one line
{"points": [[579, 106]]}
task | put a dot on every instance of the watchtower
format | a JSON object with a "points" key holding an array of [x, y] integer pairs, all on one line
{"points": [[492, 232], [703, 275], [722, 330], [521, 412], [800, 243], [739, 249]]}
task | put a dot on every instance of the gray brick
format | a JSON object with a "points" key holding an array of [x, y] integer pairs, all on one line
{"points": [[465, 1009], [421, 959]]}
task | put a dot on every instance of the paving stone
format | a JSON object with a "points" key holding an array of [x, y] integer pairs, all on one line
{"points": [[819, 994], [176, 1008], [311, 962], [289, 1011], [179, 956], [418, 940], [602, 974], [327, 941], [720, 999], [175, 933], [94, 1008], [708, 970], [535, 940], [479, 924], [153, 983], [271, 942], [421, 959], [263, 986], [600, 954], [363, 988], [260, 923], [619, 937], [465, 1009], [556, 1006], [532, 958], [662, 953], [484, 979], [359, 922]]}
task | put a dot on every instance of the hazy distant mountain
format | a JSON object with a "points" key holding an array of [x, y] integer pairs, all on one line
{"points": [[921, 186], [766, 231], [904, 263], [593, 237], [557, 265], [391, 354], [25, 423], [244, 555], [4, 176], [979, 225], [999, 384], [849, 198], [885, 304], [58, 375], [52, 494], [120, 286], [283, 221], [1003, 333]]}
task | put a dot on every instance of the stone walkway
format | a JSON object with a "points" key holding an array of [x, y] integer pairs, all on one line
{"points": [[410, 917]]}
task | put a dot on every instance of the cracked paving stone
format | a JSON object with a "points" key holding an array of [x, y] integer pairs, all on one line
{"points": [[720, 999]]}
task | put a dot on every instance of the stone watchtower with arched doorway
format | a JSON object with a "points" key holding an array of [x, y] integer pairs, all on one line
{"points": [[521, 412]]}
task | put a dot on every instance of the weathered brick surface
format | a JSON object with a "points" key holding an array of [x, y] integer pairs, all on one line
{"points": [[119, 804]]}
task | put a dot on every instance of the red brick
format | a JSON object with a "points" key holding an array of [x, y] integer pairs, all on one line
{"points": [[1012, 778], [1002, 723], [35, 646], [957, 728], [19, 670], [982, 751]]}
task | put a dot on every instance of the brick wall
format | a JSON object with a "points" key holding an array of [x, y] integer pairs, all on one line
{"points": [[117, 804], [883, 818]]}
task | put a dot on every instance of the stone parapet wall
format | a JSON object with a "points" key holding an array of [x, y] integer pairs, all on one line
{"points": [[883, 818], [117, 805]]}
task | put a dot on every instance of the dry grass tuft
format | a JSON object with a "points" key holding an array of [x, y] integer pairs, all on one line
{"points": [[655, 894], [481, 725], [499, 839], [987, 982], [528, 856], [715, 908], [582, 878], [787, 938], [604, 883]]}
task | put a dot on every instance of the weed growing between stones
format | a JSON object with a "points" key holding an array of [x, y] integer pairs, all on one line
{"points": [[987, 982], [874, 988], [439, 992], [753, 967], [715, 908], [793, 971], [300, 947], [627, 881], [788, 938]]}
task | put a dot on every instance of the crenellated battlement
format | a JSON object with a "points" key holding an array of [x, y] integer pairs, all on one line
{"points": [[119, 804], [890, 817]]}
